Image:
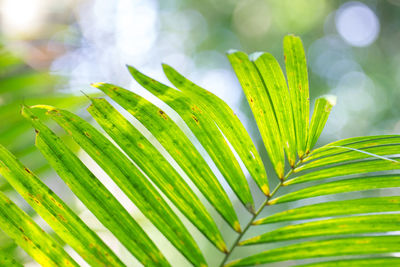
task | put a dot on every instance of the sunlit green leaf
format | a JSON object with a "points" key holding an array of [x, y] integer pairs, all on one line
{"points": [[360, 167], [227, 121], [29, 236], [256, 93], [324, 248], [177, 145], [275, 84], [367, 262], [206, 132], [130, 179], [335, 208], [95, 195], [342, 186], [157, 169], [350, 154], [53, 210], [337, 226], [362, 143], [296, 71], [323, 106]]}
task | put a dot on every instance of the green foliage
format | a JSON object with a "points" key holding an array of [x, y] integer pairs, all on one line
{"points": [[340, 228]]}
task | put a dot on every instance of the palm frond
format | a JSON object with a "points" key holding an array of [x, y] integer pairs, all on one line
{"points": [[340, 228]]}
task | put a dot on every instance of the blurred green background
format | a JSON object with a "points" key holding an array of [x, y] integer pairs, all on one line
{"points": [[60, 47]]}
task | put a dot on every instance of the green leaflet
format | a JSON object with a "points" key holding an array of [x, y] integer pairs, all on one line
{"points": [[6, 259], [256, 93], [296, 71], [342, 186], [227, 121], [352, 154], [361, 167], [55, 212], [355, 142], [337, 226], [367, 262], [178, 146], [276, 86], [95, 196], [323, 106], [206, 132], [324, 248], [132, 182], [29, 236], [140, 150], [335, 208]]}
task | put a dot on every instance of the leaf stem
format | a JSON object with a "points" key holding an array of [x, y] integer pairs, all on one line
{"points": [[259, 210]]}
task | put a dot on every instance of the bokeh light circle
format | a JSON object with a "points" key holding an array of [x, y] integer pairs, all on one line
{"points": [[357, 24]]}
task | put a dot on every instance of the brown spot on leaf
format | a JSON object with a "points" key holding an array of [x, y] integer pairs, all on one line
{"points": [[195, 119], [61, 217], [87, 134], [196, 109], [162, 114], [27, 170]]}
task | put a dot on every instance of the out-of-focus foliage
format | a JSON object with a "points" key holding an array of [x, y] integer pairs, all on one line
{"points": [[351, 46], [20, 84]]}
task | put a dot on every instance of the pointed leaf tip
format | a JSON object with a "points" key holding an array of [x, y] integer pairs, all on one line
{"points": [[97, 85], [232, 51], [332, 99], [255, 55]]}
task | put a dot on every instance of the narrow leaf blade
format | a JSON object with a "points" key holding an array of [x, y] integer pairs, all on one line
{"points": [[94, 195], [260, 104], [140, 150], [296, 71], [131, 181], [178, 146], [324, 248], [55, 212], [358, 167], [367, 262], [342, 186], [338, 226], [227, 121], [335, 208], [323, 106], [275, 82], [361, 142], [206, 132], [29, 236]]}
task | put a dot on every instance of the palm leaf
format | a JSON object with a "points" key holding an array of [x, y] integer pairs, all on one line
{"points": [[337, 227], [171, 137], [133, 183], [205, 130], [27, 234], [228, 123]]}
